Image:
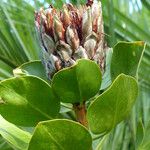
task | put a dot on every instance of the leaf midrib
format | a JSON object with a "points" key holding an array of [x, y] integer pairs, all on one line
{"points": [[31, 105], [52, 138]]}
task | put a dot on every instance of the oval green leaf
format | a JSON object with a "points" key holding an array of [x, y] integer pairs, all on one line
{"points": [[126, 58], [60, 135], [31, 68], [113, 105], [27, 100], [77, 83], [13, 135]]}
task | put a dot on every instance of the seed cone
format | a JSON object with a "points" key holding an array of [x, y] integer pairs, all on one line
{"points": [[70, 34]]}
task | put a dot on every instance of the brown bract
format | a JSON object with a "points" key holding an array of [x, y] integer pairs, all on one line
{"points": [[69, 34]]}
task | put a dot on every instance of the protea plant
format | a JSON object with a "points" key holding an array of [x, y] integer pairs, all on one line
{"points": [[70, 34]]}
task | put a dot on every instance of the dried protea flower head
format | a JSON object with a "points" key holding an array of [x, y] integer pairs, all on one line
{"points": [[70, 34]]}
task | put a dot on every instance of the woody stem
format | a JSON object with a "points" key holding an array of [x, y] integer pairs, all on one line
{"points": [[80, 111]]}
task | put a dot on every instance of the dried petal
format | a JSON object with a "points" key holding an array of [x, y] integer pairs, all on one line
{"points": [[49, 63], [65, 56], [65, 17], [61, 45], [100, 55], [58, 29], [95, 15], [64, 50], [58, 65], [87, 23], [37, 20], [70, 7], [77, 22], [49, 17], [69, 63], [70, 34], [89, 3], [48, 43], [72, 37], [80, 53], [42, 12], [90, 45], [100, 46], [100, 26]]}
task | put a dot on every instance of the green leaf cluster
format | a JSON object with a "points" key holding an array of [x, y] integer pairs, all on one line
{"points": [[29, 98], [18, 45]]}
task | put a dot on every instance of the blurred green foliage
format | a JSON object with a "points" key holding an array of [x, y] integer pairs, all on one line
{"points": [[126, 20]]}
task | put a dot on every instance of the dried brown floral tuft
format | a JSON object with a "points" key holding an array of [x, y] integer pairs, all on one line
{"points": [[70, 34]]}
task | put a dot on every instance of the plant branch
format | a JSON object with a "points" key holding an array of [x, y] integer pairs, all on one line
{"points": [[80, 111]]}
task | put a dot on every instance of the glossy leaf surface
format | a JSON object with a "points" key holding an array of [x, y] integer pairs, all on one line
{"points": [[113, 105], [33, 68], [60, 135], [27, 100], [77, 83], [126, 58]]}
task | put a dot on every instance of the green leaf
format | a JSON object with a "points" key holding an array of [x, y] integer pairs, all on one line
{"points": [[17, 45], [139, 133], [126, 58], [113, 105], [13, 135], [27, 100], [101, 143], [77, 83], [4, 145], [32, 68], [145, 145], [5, 71], [60, 135]]}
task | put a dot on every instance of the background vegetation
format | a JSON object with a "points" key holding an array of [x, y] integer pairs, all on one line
{"points": [[126, 20]]}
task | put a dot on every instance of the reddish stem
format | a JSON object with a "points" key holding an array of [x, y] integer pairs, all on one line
{"points": [[80, 111]]}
